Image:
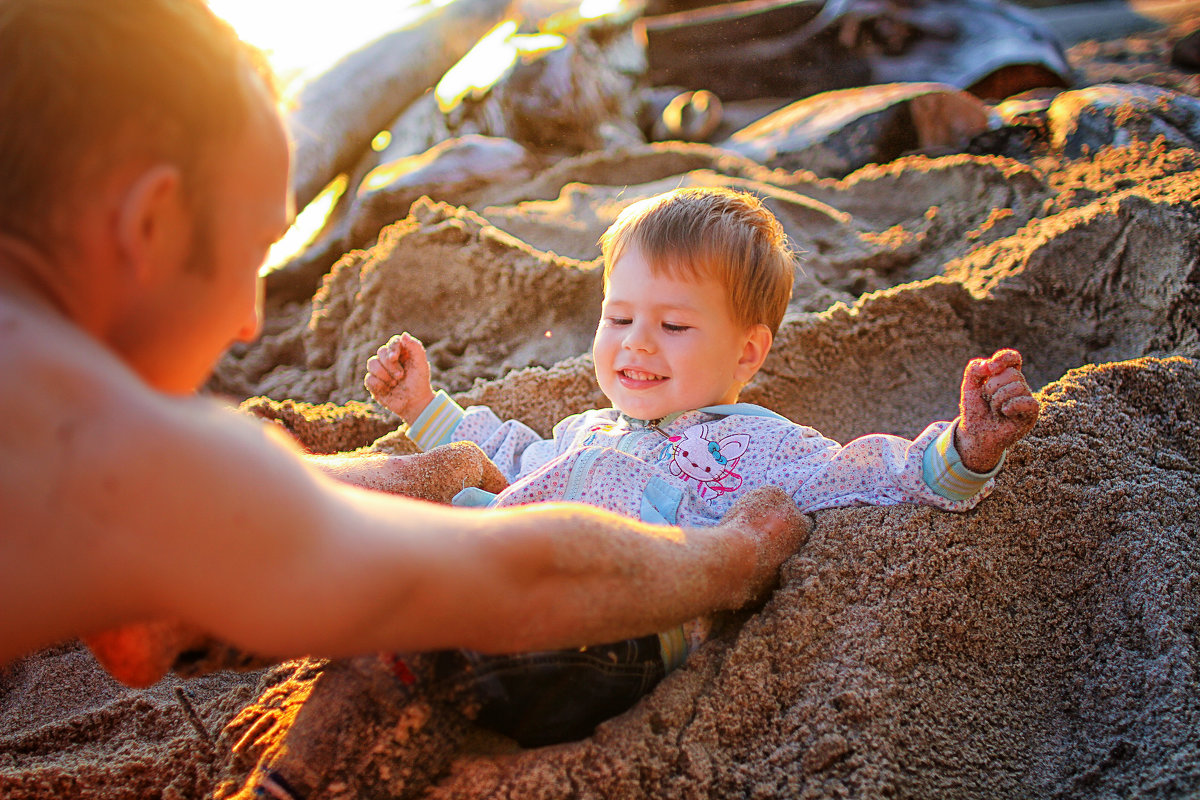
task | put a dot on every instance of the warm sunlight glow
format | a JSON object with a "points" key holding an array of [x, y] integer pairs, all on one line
{"points": [[381, 141], [305, 35], [307, 225], [591, 9], [483, 65], [490, 60]]}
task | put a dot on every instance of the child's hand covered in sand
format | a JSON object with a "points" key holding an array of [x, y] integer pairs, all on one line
{"points": [[996, 408], [398, 377]]}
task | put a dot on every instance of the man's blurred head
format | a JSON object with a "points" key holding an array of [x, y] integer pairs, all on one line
{"points": [[90, 84]]}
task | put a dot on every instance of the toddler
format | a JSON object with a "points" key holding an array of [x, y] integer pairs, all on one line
{"points": [[696, 283]]}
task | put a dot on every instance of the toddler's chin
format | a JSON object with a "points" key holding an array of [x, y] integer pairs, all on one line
{"points": [[642, 412]]}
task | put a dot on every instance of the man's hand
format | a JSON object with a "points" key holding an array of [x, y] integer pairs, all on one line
{"points": [[398, 377], [775, 526], [996, 407], [436, 475], [139, 654]]}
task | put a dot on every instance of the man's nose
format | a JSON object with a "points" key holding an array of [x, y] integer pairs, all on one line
{"points": [[252, 324]]}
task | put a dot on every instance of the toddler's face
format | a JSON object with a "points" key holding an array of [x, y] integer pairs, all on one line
{"points": [[665, 344]]}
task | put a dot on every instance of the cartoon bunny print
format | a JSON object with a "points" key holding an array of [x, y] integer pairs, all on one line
{"points": [[708, 461]]}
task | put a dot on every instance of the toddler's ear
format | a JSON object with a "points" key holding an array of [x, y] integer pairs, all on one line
{"points": [[754, 351]]}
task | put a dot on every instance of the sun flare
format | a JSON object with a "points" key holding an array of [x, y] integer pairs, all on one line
{"points": [[303, 35]]}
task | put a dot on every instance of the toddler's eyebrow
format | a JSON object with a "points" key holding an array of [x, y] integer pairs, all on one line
{"points": [[660, 308]]}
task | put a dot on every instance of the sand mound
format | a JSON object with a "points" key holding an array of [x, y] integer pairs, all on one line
{"points": [[1094, 261], [507, 302], [1040, 646], [68, 730]]}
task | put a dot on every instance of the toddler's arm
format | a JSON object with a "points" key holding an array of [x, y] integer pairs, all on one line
{"points": [[949, 465], [996, 408], [398, 377]]}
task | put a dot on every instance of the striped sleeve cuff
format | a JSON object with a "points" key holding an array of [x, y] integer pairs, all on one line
{"points": [[435, 425], [673, 647], [945, 474]]}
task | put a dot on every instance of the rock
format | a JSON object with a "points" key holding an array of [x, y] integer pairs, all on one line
{"points": [[834, 133], [450, 171], [1022, 130], [1185, 53], [992, 49], [748, 50], [796, 48], [567, 99], [688, 117], [1085, 120]]}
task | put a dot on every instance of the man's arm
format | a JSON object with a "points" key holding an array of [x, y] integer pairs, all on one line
{"points": [[436, 475], [177, 509]]}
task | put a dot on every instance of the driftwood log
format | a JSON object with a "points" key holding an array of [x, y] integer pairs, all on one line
{"points": [[340, 112]]}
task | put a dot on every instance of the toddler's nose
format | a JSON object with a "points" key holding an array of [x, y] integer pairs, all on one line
{"points": [[638, 338]]}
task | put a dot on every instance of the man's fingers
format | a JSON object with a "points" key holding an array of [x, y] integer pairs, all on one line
{"points": [[139, 654], [771, 513]]}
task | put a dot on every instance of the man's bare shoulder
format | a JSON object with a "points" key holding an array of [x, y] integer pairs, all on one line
{"points": [[105, 482], [66, 398], [56, 380]]}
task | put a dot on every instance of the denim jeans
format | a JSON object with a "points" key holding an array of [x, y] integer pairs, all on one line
{"points": [[551, 696]]}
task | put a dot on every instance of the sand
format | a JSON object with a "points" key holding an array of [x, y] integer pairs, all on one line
{"points": [[1042, 645], [1003, 653]]}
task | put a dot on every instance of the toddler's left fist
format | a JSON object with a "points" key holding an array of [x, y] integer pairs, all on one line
{"points": [[996, 408]]}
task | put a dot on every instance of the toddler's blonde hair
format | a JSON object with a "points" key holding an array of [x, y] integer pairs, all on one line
{"points": [[711, 233]]}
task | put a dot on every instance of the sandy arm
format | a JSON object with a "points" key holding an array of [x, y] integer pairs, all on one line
{"points": [[148, 507], [436, 475]]}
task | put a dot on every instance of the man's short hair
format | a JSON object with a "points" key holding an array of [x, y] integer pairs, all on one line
{"points": [[89, 83], [712, 233]]}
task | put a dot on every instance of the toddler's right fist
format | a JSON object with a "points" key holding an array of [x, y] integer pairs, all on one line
{"points": [[398, 377]]}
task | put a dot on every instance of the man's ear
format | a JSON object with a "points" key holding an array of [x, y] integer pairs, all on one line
{"points": [[153, 220], [754, 351]]}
